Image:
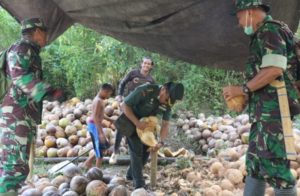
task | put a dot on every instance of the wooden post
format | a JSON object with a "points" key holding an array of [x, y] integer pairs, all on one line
{"points": [[285, 119], [31, 161], [153, 168]]}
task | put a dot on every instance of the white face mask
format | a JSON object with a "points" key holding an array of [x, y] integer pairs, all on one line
{"points": [[248, 30]]}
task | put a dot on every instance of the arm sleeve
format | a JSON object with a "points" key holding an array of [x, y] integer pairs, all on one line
{"points": [[274, 49], [23, 77], [167, 115], [124, 81]]}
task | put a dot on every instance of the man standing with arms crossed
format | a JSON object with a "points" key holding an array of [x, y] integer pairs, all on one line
{"points": [[272, 56]]}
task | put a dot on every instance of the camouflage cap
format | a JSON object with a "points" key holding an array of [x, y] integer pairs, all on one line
{"points": [[33, 23], [248, 4], [176, 92]]}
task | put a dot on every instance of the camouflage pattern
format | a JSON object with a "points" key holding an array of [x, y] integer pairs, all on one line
{"points": [[266, 157], [265, 160], [20, 112], [248, 4], [32, 23]]}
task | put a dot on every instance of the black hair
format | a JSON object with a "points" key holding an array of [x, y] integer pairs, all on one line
{"points": [[107, 86], [146, 57], [29, 32]]}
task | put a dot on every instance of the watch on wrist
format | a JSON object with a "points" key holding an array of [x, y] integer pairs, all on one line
{"points": [[246, 90]]}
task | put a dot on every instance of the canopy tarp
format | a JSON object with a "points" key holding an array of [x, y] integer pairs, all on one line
{"points": [[202, 32]]}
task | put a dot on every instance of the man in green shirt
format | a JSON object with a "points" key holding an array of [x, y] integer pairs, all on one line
{"points": [[148, 100]]}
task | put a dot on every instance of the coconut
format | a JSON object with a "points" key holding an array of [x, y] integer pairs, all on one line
{"points": [[139, 192], [73, 139], [42, 133], [226, 185], [41, 151], [58, 180], [217, 188], [234, 175], [50, 189], [71, 130], [62, 142], [94, 174], [52, 152], [109, 110], [82, 141], [217, 168], [64, 187], [226, 193], [72, 171], [82, 133], [64, 122], [206, 133], [119, 191], [116, 180], [60, 133], [83, 151], [78, 184], [39, 142], [70, 193], [63, 151], [32, 192], [209, 192], [72, 152], [50, 141], [77, 113], [50, 129], [96, 188], [193, 176]]}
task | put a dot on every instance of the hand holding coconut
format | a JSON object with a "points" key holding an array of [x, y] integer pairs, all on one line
{"points": [[235, 97]]}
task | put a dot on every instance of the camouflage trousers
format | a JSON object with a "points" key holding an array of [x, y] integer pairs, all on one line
{"points": [[266, 138], [15, 140]]}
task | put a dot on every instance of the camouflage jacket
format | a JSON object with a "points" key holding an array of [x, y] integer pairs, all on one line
{"points": [[25, 95], [271, 45]]}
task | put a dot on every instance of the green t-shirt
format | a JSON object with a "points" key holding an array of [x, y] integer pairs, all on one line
{"points": [[144, 102]]}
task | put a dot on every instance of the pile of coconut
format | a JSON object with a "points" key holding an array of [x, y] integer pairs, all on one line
{"points": [[214, 133], [63, 132], [72, 182]]}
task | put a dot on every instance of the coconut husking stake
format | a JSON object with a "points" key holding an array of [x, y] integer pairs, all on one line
{"points": [[285, 119]]}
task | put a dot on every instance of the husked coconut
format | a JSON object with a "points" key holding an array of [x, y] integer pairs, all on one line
{"points": [[217, 188], [52, 152], [77, 113], [63, 152], [94, 174], [72, 171], [78, 184], [73, 139], [109, 110], [64, 122], [234, 175], [72, 152], [62, 142], [50, 188], [39, 142], [96, 188], [41, 151], [32, 192], [217, 168], [70, 193], [58, 180], [206, 133], [193, 176], [50, 129], [139, 192], [226, 193], [119, 191], [209, 192], [226, 185], [50, 141], [70, 130], [60, 133], [116, 180], [82, 141]]}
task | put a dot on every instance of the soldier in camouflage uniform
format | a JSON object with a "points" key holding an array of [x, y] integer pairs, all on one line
{"points": [[21, 109], [272, 56]]}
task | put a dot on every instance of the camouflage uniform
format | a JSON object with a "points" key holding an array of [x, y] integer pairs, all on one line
{"points": [[20, 112], [270, 45]]}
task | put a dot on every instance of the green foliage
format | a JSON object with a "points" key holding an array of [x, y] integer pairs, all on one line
{"points": [[81, 59], [183, 162]]}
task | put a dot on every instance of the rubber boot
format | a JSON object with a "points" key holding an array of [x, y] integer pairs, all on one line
{"points": [[286, 192], [254, 187], [11, 193]]}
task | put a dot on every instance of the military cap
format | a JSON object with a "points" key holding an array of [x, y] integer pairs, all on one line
{"points": [[248, 4], [176, 92], [33, 23]]}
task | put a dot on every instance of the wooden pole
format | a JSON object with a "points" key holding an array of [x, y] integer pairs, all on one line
{"points": [[153, 168], [285, 119], [31, 161]]}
